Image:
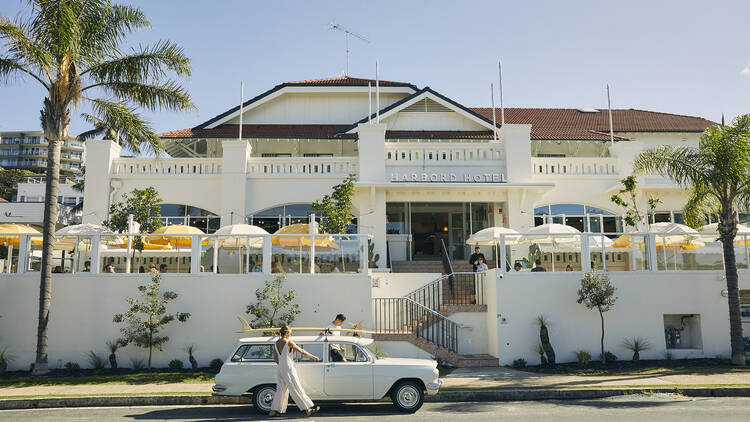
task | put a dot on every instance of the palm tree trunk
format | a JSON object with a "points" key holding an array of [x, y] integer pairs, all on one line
{"points": [[48, 231], [733, 299]]}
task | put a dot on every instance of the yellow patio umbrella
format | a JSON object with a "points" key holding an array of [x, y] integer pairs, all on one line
{"points": [[321, 241], [178, 235], [10, 237]]}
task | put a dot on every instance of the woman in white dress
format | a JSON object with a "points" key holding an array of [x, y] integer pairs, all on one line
{"points": [[287, 381]]}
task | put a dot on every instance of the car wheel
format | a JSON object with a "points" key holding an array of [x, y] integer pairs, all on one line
{"points": [[407, 396], [263, 397]]}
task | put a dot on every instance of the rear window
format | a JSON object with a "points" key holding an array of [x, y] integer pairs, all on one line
{"points": [[253, 353]]}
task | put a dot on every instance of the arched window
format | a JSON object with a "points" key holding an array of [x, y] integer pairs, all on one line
{"points": [[272, 219], [585, 218], [189, 216]]}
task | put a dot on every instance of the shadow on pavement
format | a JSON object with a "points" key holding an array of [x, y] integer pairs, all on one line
{"points": [[247, 413]]}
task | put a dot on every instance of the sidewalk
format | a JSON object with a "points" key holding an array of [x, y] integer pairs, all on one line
{"points": [[505, 378]]}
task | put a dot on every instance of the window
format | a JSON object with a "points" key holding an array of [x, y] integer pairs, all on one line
{"points": [[253, 353], [350, 352], [271, 155], [315, 349], [318, 155]]}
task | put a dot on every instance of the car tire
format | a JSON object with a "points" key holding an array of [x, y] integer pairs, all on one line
{"points": [[262, 398], [407, 396]]}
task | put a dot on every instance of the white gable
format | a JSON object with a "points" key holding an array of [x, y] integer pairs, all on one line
{"points": [[429, 112]]}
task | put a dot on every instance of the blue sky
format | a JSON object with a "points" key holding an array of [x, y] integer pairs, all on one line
{"points": [[686, 57]]}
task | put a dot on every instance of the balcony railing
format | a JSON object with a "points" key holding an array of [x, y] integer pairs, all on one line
{"points": [[574, 166], [172, 167], [338, 167], [442, 154]]}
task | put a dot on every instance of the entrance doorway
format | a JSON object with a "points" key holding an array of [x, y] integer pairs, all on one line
{"points": [[432, 223]]}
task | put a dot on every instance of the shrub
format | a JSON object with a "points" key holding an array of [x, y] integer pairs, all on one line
{"points": [[190, 349], [175, 364], [216, 364], [97, 362], [540, 351], [636, 345], [138, 363], [549, 352], [72, 366], [583, 357], [113, 346], [519, 363], [610, 357], [5, 359]]}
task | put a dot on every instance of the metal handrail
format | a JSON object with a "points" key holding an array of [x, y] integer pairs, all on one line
{"points": [[447, 264]]}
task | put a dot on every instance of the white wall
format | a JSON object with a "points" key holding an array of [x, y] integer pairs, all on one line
{"points": [[473, 339], [399, 284], [83, 306], [643, 299]]}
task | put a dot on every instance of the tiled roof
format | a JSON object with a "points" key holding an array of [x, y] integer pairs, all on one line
{"points": [[345, 81], [258, 131], [569, 123]]}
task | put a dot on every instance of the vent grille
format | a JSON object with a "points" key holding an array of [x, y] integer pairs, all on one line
{"points": [[426, 105]]}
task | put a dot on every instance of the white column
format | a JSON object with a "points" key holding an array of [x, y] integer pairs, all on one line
{"points": [[371, 219], [100, 156], [371, 144], [363, 258], [517, 142], [234, 180], [195, 254], [23, 254], [267, 250], [96, 241], [585, 253], [502, 258], [653, 264]]}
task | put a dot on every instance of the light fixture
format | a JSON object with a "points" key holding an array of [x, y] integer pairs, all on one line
{"points": [[724, 292], [445, 228]]}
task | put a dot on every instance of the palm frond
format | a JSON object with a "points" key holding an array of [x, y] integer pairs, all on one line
{"points": [[684, 165], [165, 96], [699, 204], [142, 64], [26, 54], [135, 133], [104, 33]]}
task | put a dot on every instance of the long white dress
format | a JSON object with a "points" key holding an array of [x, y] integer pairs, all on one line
{"points": [[287, 382]]}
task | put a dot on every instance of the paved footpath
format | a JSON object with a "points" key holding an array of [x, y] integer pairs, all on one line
{"points": [[678, 409], [461, 378]]}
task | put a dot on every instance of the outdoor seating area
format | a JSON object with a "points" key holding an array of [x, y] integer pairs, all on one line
{"points": [[233, 249]]}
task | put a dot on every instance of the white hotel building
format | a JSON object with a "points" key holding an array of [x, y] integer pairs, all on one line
{"points": [[430, 172]]}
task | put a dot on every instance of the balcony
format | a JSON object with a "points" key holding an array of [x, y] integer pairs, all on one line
{"points": [[293, 167], [168, 167], [574, 166]]}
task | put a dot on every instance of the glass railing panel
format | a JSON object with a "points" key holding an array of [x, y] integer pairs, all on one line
{"points": [[290, 254], [240, 254], [34, 258]]}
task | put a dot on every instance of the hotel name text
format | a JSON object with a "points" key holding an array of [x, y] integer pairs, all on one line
{"points": [[448, 177]]}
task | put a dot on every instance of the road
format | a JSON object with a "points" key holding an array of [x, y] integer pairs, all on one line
{"points": [[614, 409]]}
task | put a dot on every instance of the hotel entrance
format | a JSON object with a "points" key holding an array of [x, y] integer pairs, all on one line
{"points": [[432, 223]]}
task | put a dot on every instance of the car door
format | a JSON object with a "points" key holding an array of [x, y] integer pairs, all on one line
{"points": [[350, 378], [310, 371]]}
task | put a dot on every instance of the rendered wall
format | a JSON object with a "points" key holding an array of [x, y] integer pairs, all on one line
{"points": [[83, 306], [643, 300]]}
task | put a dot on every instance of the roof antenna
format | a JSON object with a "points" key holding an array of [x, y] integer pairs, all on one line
{"points": [[611, 132], [242, 101], [347, 31], [494, 123], [502, 106]]}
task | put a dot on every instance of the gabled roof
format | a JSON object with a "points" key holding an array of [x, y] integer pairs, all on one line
{"points": [[258, 131], [334, 81], [402, 103], [572, 124]]}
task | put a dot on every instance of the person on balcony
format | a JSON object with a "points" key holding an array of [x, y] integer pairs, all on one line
{"points": [[474, 258], [482, 266], [538, 267]]}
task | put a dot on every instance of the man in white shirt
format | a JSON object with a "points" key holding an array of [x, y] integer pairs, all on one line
{"points": [[337, 354]]}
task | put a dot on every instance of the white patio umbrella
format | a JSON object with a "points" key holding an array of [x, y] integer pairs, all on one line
{"points": [[237, 237], [67, 240], [553, 235], [710, 232], [491, 237]]}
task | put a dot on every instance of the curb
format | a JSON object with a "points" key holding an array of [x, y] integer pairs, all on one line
{"points": [[446, 396]]}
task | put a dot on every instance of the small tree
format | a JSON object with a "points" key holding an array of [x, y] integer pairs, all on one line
{"points": [[143, 204], [627, 198], [147, 316], [546, 345], [9, 179], [336, 208], [597, 292], [274, 306]]}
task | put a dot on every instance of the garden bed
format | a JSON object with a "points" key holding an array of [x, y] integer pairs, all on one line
{"points": [[643, 367], [16, 379]]}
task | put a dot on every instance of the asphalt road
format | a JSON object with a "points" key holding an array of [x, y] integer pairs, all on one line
{"points": [[615, 409]]}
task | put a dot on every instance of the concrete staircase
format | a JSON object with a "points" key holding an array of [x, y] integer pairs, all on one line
{"points": [[459, 361], [435, 266]]}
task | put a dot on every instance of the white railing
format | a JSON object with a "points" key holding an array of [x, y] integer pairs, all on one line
{"points": [[574, 166], [337, 167], [443, 154], [123, 167]]}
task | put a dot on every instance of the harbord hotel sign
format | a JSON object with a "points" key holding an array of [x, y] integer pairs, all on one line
{"points": [[448, 177]]}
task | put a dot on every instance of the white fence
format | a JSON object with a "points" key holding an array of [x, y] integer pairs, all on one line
{"points": [[452, 154], [291, 167], [174, 167]]}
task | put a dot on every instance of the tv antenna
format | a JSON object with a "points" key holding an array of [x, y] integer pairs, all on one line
{"points": [[347, 31]]}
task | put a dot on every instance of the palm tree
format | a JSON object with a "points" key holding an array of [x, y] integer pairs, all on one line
{"points": [[74, 49], [717, 176]]}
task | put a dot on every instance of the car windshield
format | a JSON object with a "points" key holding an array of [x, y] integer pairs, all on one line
{"points": [[375, 351]]}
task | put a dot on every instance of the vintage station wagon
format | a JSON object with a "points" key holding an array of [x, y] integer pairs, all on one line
{"points": [[362, 377]]}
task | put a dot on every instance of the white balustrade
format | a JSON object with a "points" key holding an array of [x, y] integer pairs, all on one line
{"points": [[291, 167], [443, 154], [574, 166], [124, 167]]}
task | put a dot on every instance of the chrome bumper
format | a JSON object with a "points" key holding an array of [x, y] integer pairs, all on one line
{"points": [[433, 387]]}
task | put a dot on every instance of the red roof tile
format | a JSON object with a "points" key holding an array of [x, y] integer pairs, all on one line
{"points": [[258, 131], [345, 80]]}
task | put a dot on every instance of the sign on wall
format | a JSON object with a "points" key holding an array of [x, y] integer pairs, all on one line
{"points": [[435, 177]]}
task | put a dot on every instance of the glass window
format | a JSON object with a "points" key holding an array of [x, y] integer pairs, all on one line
{"points": [[541, 210], [315, 349], [253, 353], [350, 353], [662, 217], [569, 209], [595, 210], [395, 213]]}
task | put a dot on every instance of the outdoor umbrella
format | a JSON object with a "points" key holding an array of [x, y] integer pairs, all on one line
{"points": [[177, 235], [235, 236], [10, 237], [303, 241], [553, 237], [491, 237]]}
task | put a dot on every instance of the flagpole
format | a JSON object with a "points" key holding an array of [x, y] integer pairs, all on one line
{"points": [[377, 91], [502, 105], [242, 100], [494, 122], [609, 106]]}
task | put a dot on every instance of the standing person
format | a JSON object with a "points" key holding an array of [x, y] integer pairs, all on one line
{"points": [[538, 267], [517, 266], [482, 266], [474, 258], [163, 268], [87, 267], [287, 381], [152, 269], [336, 352]]}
